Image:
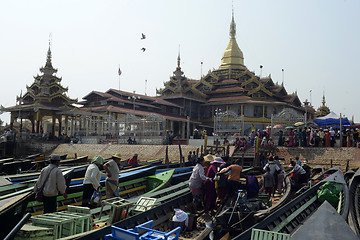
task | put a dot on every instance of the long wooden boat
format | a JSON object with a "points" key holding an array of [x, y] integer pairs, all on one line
{"points": [[78, 171], [355, 202], [160, 214], [75, 161], [288, 218], [325, 223], [131, 184], [348, 176], [234, 221], [180, 174], [13, 208]]}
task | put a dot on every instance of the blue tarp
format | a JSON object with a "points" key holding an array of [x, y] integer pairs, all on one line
{"points": [[331, 120]]}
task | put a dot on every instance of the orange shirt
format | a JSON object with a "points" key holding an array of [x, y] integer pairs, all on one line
{"points": [[235, 171]]}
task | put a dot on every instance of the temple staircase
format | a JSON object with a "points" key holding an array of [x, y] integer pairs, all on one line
{"points": [[247, 158]]}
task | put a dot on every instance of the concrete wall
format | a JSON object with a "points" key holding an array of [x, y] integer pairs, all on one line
{"points": [[323, 156], [145, 152], [314, 156]]}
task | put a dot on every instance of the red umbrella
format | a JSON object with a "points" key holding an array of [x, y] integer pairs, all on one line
{"points": [[278, 126]]}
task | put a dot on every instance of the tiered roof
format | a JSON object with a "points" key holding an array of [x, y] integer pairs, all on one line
{"points": [[46, 89]]}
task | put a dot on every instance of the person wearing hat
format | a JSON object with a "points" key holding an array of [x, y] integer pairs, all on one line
{"points": [[92, 179], [53, 182], [210, 191], [196, 182], [133, 161], [112, 179]]}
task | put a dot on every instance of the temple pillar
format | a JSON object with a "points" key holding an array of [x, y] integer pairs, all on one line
{"points": [[66, 125], [53, 125], [183, 130], [60, 130], [87, 126], [72, 126]]}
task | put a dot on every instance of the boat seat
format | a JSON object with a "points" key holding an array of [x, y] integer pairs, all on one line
{"points": [[151, 234], [258, 234], [121, 234], [144, 204]]}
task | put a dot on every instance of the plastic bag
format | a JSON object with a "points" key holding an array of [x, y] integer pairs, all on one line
{"points": [[95, 198], [330, 192]]}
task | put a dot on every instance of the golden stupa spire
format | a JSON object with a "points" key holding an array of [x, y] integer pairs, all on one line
{"points": [[233, 56]]}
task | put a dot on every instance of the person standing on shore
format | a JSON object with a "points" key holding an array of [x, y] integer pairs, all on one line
{"points": [[112, 179], [92, 179], [53, 182]]}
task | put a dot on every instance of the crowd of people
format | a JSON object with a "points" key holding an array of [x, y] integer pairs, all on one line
{"points": [[216, 180], [318, 137]]}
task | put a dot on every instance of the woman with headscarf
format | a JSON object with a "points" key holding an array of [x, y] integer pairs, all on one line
{"points": [[92, 179], [210, 191]]}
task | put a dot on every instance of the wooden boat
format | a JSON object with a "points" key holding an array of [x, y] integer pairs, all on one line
{"points": [[325, 223], [348, 176], [75, 161], [131, 184], [161, 214], [78, 171], [180, 174], [12, 209], [104, 214], [249, 212], [354, 189], [288, 218], [325, 174]]}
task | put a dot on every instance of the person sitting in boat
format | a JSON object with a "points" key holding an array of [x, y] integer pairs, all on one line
{"points": [[133, 161], [52, 181], [92, 180], [196, 183], [299, 175], [112, 179]]}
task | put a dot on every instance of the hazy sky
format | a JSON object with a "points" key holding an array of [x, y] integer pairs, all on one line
{"points": [[315, 42]]}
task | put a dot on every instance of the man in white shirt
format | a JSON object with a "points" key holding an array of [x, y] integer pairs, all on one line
{"points": [[112, 180], [92, 179], [53, 181], [195, 182]]}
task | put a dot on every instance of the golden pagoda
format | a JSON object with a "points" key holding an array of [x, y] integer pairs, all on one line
{"points": [[323, 110], [230, 88]]}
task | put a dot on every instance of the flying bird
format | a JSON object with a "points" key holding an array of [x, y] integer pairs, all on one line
{"points": [[143, 36], [143, 49]]}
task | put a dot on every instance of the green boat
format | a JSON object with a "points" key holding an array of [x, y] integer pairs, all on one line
{"points": [[128, 189]]}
